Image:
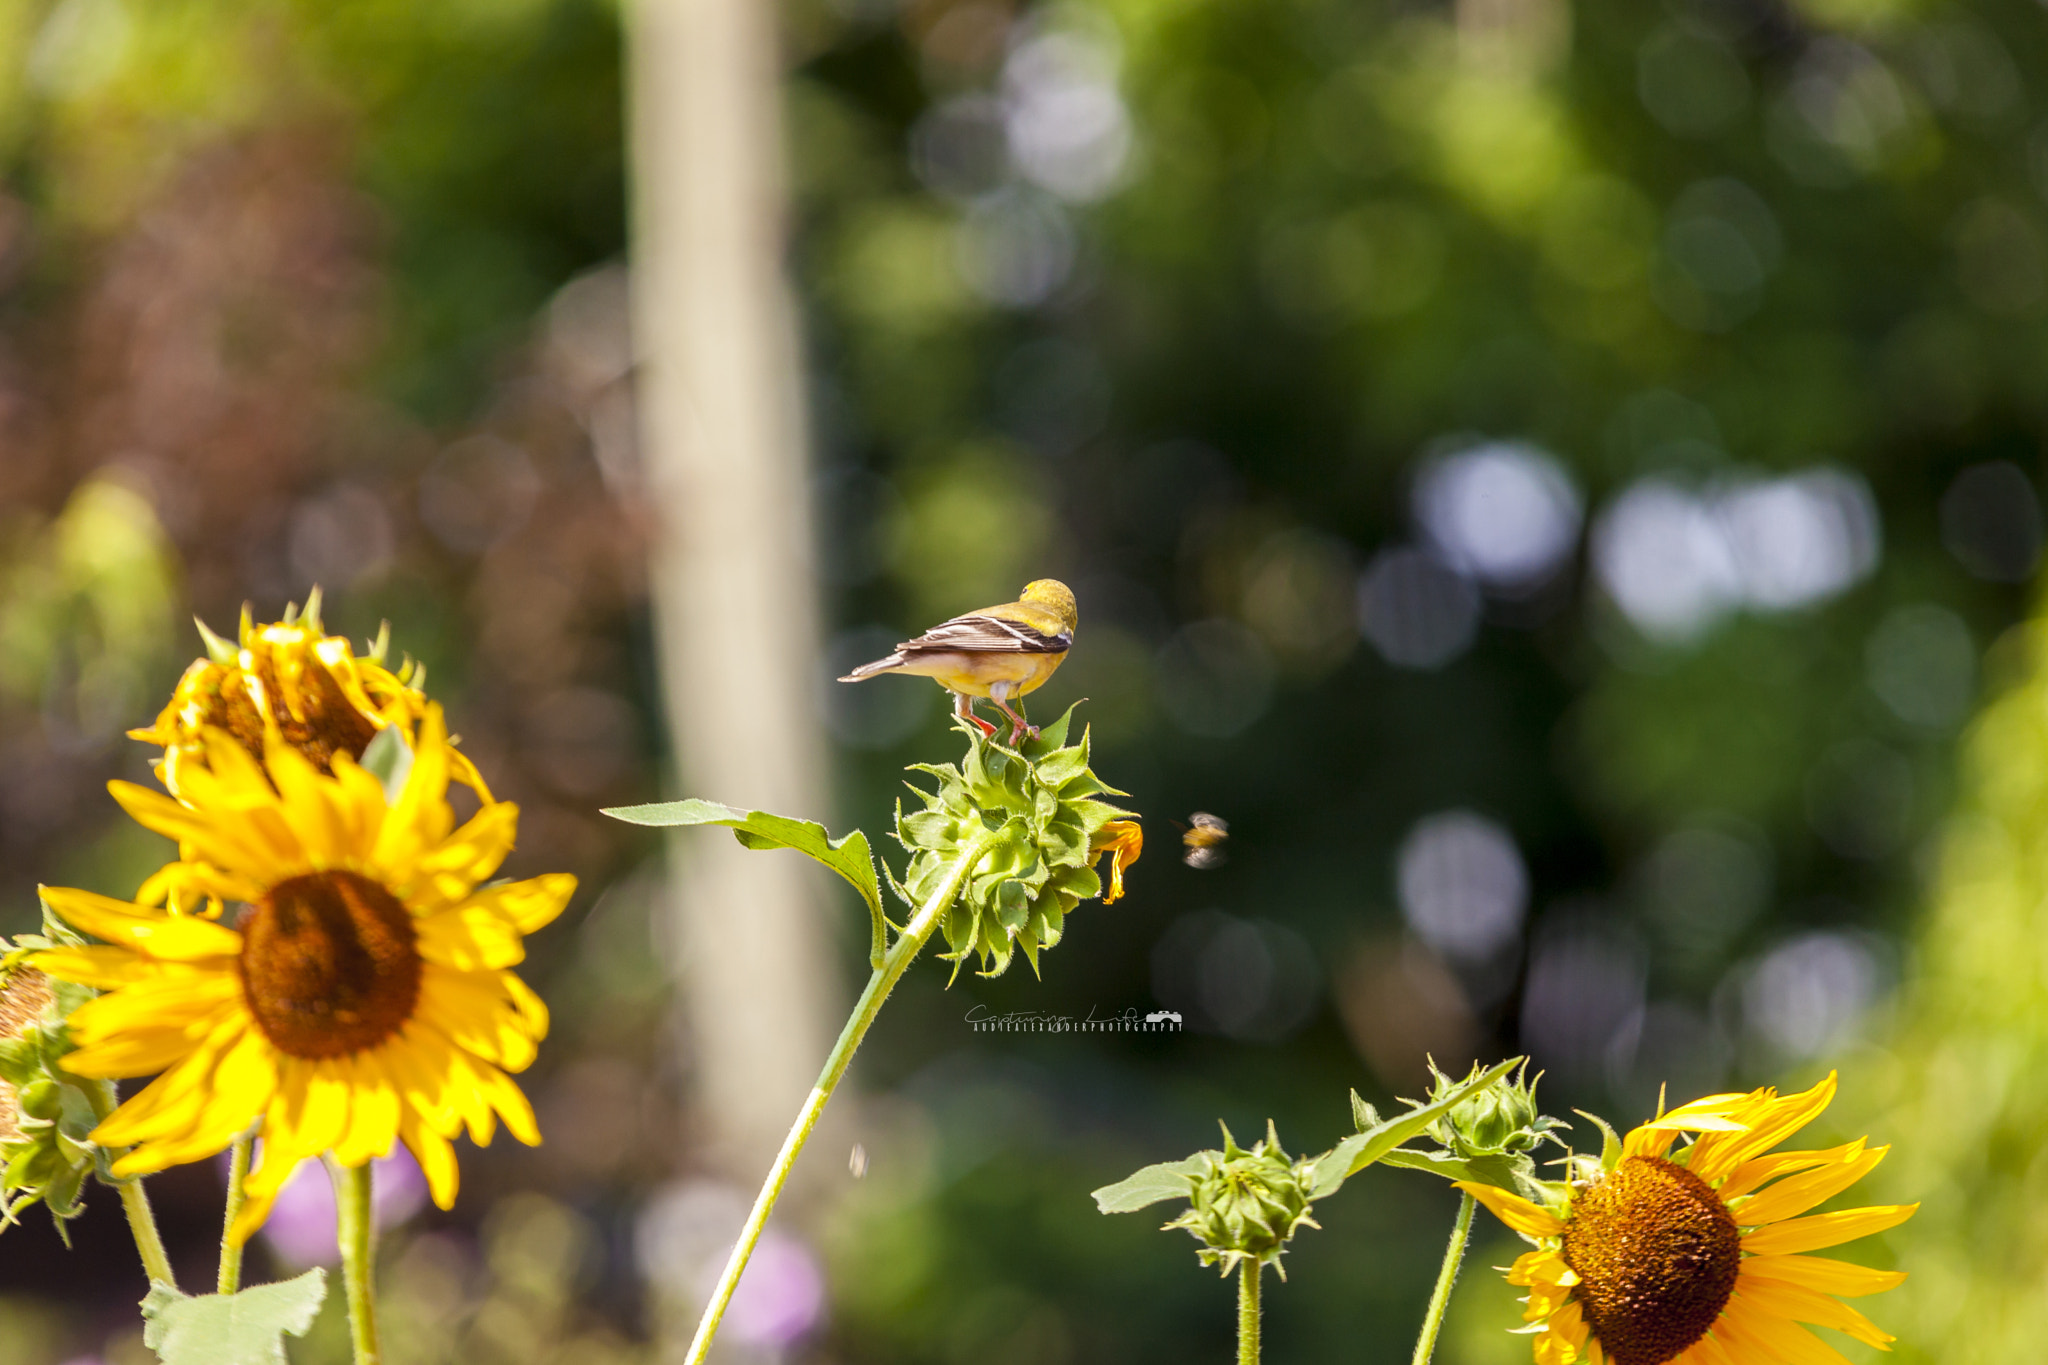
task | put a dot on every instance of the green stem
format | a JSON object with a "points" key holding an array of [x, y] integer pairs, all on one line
{"points": [[1454, 1257], [895, 962], [231, 1251], [1248, 1272], [141, 1221], [358, 1247]]}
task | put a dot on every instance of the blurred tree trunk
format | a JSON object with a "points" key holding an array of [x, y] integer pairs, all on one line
{"points": [[723, 437]]}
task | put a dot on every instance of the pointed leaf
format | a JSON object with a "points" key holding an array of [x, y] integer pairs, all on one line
{"points": [[231, 1329], [849, 856], [1166, 1180], [1361, 1150]]}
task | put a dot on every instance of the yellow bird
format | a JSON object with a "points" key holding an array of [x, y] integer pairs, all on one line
{"points": [[997, 652]]}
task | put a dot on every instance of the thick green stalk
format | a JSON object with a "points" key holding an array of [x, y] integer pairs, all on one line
{"points": [[895, 962], [1248, 1272], [358, 1251], [231, 1250], [1454, 1257], [156, 1263]]}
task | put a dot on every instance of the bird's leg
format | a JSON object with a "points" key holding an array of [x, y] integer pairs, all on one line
{"points": [[1019, 727], [963, 706]]}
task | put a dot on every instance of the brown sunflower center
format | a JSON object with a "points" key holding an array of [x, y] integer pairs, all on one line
{"points": [[1656, 1254], [329, 964]]}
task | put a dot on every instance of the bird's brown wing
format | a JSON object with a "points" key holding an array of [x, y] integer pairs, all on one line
{"points": [[983, 634]]}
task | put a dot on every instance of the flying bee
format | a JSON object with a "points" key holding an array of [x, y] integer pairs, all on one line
{"points": [[1203, 837]]}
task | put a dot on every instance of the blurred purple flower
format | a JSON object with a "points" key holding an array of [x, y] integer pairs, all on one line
{"points": [[301, 1229]]}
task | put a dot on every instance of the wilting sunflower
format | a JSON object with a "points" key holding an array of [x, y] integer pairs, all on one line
{"points": [[362, 994], [1695, 1255], [293, 679]]}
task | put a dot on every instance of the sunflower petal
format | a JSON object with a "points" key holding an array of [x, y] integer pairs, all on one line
{"points": [[436, 1158], [470, 938], [1709, 1350], [1774, 1120], [1824, 1275], [1529, 1219], [449, 871], [1796, 1194], [311, 1108], [169, 1102], [1754, 1334], [1804, 1305], [530, 905], [1825, 1229], [373, 1112], [1759, 1171], [100, 967], [166, 937]]}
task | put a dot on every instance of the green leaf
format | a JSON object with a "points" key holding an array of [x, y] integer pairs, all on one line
{"points": [[1506, 1172], [231, 1329], [1361, 1150], [388, 759], [1167, 1180], [849, 857]]}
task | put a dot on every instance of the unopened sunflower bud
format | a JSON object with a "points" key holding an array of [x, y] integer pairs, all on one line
{"points": [[1499, 1120], [44, 1155], [1245, 1205], [1030, 824]]}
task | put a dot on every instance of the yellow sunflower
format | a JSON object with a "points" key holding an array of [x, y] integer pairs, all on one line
{"points": [[1695, 1256], [307, 686], [362, 995]]}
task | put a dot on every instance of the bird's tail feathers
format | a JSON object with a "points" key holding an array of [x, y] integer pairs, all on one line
{"points": [[878, 666]]}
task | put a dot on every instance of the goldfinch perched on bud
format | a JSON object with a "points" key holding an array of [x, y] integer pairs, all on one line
{"points": [[997, 652]]}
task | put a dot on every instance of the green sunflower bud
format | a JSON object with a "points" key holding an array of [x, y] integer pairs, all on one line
{"points": [[44, 1113], [1495, 1120], [1028, 819], [1245, 1205]]}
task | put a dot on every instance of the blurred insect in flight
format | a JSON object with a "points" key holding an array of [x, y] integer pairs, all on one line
{"points": [[1204, 836]]}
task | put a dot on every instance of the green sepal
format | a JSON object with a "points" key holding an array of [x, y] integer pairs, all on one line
{"points": [[245, 1328], [758, 829], [1610, 1142]]}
